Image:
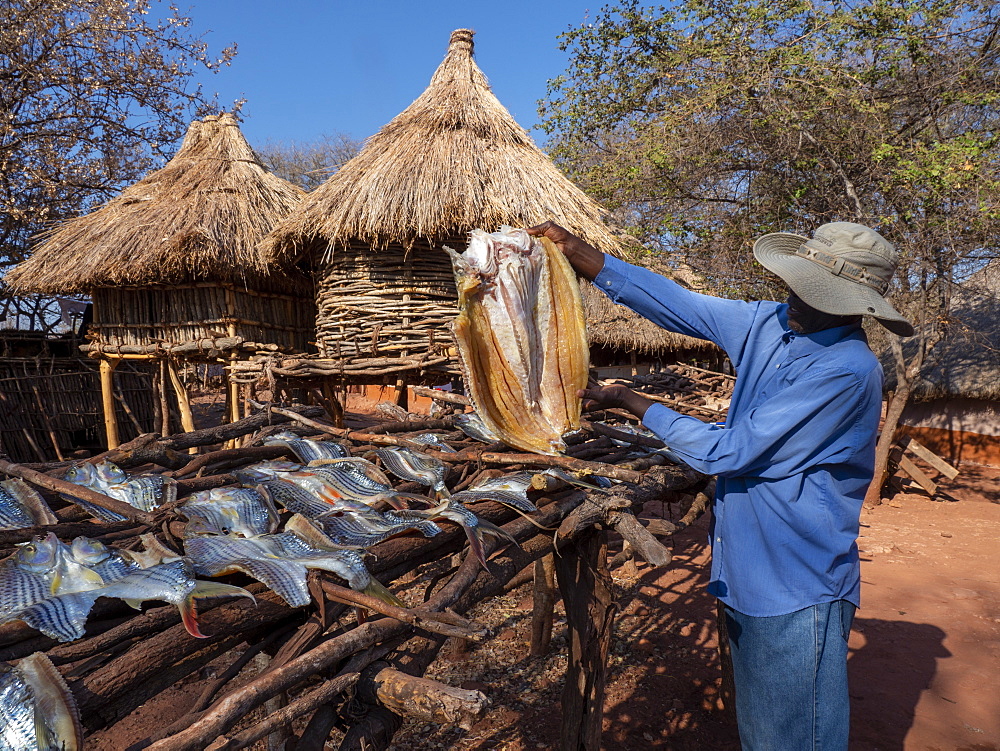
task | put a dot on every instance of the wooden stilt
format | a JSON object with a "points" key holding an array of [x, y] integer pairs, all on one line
{"points": [[403, 394], [164, 404], [585, 584], [107, 368], [333, 405]]}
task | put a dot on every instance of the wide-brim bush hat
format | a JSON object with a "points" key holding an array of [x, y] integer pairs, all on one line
{"points": [[844, 269]]}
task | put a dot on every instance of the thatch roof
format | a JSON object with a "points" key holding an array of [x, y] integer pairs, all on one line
{"points": [[454, 160], [201, 216], [966, 362]]}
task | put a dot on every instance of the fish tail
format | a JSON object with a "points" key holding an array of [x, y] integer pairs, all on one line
{"points": [[492, 529], [204, 590], [476, 544]]}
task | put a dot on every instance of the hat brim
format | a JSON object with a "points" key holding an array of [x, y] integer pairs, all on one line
{"points": [[821, 289]]}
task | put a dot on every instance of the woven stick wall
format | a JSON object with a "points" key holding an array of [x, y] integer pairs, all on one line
{"points": [[386, 303], [57, 402], [190, 312]]}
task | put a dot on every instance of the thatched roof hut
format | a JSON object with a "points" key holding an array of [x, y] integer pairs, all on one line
{"points": [[452, 161], [173, 269], [174, 257], [955, 409]]}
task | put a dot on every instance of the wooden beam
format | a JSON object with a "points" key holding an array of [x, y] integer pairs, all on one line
{"points": [[909, 443], [107, 368], [917, 474]]}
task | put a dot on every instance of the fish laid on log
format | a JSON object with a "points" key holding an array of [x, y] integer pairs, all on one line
{"points": [[522, 338], [37, 709], [21, 506]]}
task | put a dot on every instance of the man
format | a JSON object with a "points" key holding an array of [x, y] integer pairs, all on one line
{"points": [[793, 461]]}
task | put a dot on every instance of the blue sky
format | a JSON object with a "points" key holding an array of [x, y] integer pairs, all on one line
{"points": [[308, 68]]}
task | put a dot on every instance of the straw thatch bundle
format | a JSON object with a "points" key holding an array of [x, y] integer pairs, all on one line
{"points": [[452, 161], [198, 217]]}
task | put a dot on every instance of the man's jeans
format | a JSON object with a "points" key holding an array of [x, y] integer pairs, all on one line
{"points": [[791, 678]]}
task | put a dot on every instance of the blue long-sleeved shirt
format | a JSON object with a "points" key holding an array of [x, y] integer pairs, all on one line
{"points": [[797, 452]]}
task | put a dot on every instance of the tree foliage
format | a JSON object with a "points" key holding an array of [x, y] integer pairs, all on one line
{"points": [[309, 164], [92, 93], [710, 122], [713, 121]]}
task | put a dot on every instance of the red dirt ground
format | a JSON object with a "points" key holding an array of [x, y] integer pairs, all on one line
{"points": [[924, 663]]}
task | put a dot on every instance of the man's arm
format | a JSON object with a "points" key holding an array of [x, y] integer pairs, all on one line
{"points": [[817, 420], [656, 297]]}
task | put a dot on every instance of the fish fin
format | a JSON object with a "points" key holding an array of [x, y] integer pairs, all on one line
{"points": [[476, 544], [62, 617], [376, 589], [206, 590], [134, 604], [489, 528], [189, 617]]}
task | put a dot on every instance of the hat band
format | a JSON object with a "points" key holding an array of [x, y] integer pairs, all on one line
{"points": [[842, 267]]}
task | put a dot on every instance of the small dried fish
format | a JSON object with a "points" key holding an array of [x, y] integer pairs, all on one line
{"points": [[473, 426], [307, 450], [254, 473], [474, 526], [37, 709], [63, 617], [434, 441], [223, 511], [144, 492], [408, 464], [21, 506], [361, 530], [40, 569], [281, 562]]}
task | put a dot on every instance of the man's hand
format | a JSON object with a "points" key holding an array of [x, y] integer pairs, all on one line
{"points": [[596, 396], [583, 257]]}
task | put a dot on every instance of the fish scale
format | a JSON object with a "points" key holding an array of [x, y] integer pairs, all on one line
{"points": [[17, 712], [407, 464], [307, 450], [355, 478]]}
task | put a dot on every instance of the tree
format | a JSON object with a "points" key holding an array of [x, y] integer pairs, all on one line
{"points": [[309, 164], [709, 123], [92, 95]]}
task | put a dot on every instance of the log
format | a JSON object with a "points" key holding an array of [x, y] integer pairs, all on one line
{"points": [[586, 591], [543, 606], [612, 511], [421, 699], [108, 403]]}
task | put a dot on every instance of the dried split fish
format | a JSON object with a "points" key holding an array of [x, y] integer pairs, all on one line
{"points": [[522, 337]]}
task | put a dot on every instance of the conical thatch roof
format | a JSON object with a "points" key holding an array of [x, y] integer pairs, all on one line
{"points": [[201, 216], [452, 161]]}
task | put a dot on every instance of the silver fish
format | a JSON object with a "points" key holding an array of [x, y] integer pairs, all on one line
{"points": [[226, 511], [21, 506], [473, 426], [108, 563], [40, 569], [37, 709], [361, 530], [281, 561], [144, 492], [357, 479], [307, 450], [408, 464], [261, 471], [63, 617], [434, 441]]}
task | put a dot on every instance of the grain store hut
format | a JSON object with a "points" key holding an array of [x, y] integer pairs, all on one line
{"points": [[173, 269], [453, 161]]}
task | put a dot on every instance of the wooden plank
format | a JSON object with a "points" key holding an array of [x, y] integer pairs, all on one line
{"points": [[917, 474], [918, 449]]}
